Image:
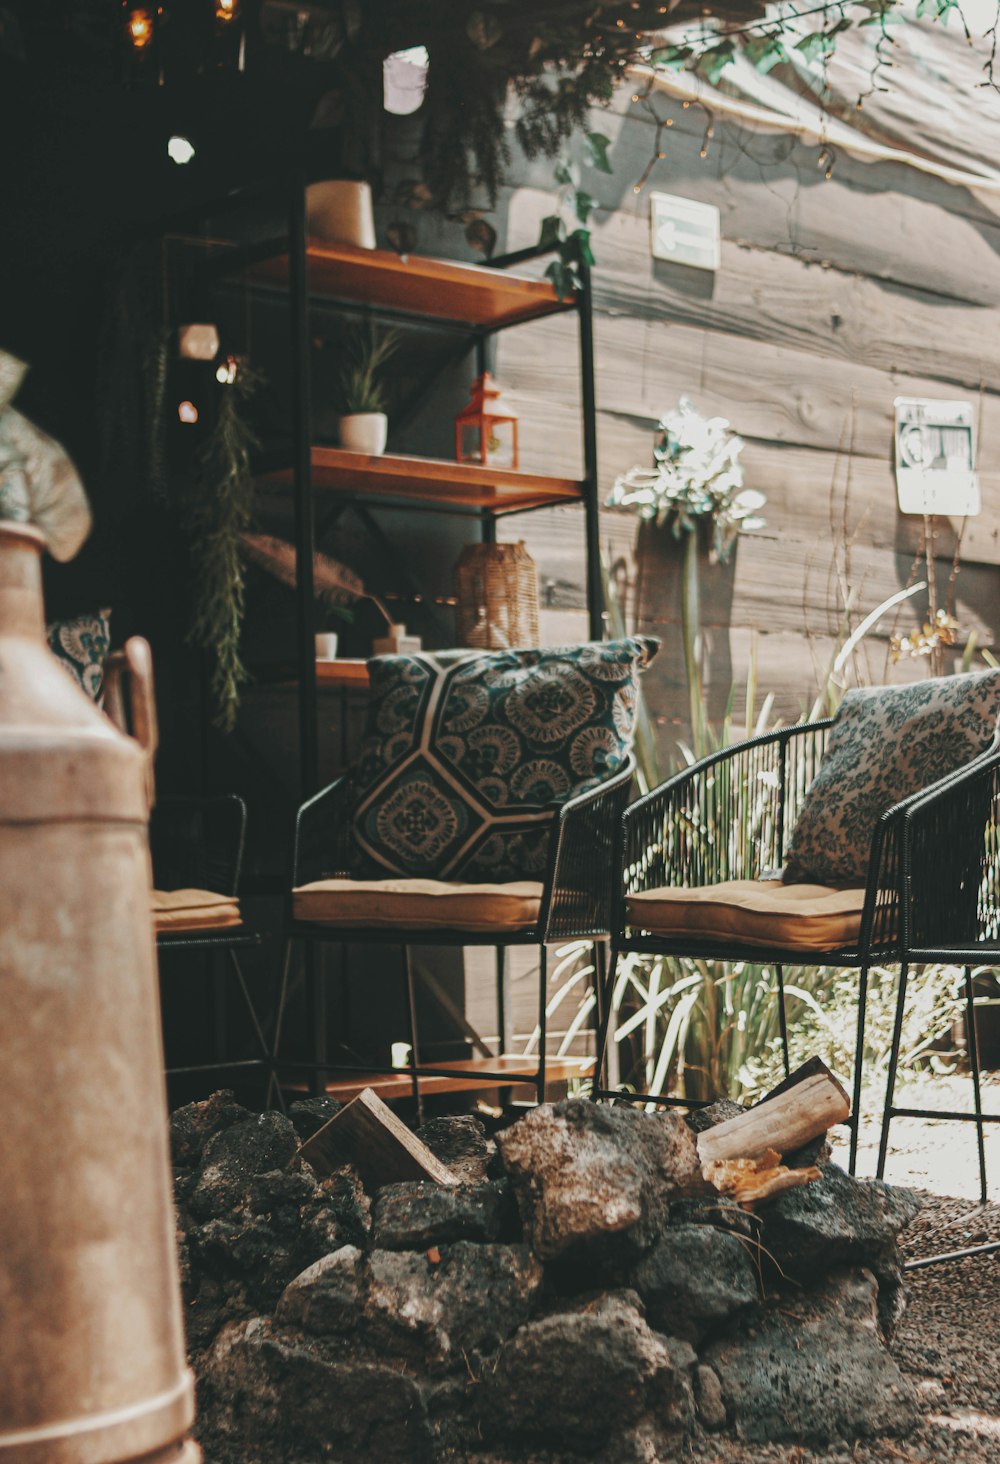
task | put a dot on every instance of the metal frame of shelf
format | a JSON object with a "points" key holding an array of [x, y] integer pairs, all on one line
{"points": [[304, 477]]}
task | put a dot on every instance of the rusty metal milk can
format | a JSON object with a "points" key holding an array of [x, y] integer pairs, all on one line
{"points": [[92, 1367]]}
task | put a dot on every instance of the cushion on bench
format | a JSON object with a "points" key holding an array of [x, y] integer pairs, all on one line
{"points": [[420, 904], [804, 917]]}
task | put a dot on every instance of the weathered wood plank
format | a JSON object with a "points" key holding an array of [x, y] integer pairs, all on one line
{"points": [[775, 297]]}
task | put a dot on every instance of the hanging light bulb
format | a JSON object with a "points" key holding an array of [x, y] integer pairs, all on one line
{"points": [[187, 412], [226, 11], [139, 26], [225, 372]]}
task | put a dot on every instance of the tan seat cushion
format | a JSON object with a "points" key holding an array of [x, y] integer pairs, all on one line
{"points": [[804, 917], [420, 904], [182, 910]]}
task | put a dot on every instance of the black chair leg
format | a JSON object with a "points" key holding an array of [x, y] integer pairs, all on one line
{"points": [[859, 1062], [274, 1085], [503, 1003], [604, 1021], [411, 1012], [973, 1041], [220, 1034], [543, 1001], [782, 1017], [890, 1086], [258, 1032]]}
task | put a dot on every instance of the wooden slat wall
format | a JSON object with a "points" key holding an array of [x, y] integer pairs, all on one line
{"points": [[834, 297]]}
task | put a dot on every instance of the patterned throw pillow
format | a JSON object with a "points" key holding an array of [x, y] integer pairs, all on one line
{"points": [[81, 647], [887, 742], [466, 757]]}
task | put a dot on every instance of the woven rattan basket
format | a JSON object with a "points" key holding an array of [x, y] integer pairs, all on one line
{"points": [[496, 594]]}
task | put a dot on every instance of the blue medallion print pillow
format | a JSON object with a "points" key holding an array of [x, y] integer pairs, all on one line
{"points": [[466, 756], [81, 647], [887, 742]]}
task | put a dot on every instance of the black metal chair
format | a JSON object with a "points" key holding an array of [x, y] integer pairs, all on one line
{"points": [[730, 817], [949, 912], [197, 846], [573, 902]]}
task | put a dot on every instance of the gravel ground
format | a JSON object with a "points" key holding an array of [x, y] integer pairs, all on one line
{"points": [[948, 1340]]}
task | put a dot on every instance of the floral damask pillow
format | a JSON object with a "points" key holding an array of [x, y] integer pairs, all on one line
{"points": [[467, 757], [887, 742], [81, 647]]}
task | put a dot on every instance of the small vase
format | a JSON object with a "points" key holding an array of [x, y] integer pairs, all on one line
{"points": [[326, 645], [364, 432], [340, 211]]}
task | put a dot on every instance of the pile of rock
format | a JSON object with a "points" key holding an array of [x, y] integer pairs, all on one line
{"points": [[578, 1294]]}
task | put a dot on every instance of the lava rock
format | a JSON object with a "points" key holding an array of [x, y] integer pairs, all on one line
{"points": [[310, 1114], [813, 1369], [589, 1375], [413, 1216], [708, 1398], [445, 1313], [835, 1221], [694, 1279], [700, 1119], [233, 1157], [717, 1210], [308, 1406], [588, 1176], [461, 1143], [327, 1297], [191, 1127]]}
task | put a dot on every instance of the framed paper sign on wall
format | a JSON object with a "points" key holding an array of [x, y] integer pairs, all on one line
{"points": [[936, 457], [684, 231]]}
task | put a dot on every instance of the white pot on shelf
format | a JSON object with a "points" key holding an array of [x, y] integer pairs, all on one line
{"points": [[326, 645], [340, 211], [364, 432]]}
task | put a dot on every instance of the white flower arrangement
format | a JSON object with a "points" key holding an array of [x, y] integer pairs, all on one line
{"points": [[697, 475]]}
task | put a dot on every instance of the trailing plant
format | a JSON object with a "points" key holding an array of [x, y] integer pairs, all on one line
{"points": [[567, 228], [361, 386], [221, 511]]}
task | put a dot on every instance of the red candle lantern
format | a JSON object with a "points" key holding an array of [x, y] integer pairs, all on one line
{"points": [[486, 430]]}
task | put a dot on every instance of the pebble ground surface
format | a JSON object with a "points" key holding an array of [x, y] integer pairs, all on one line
{"points": [[948, 1339]]}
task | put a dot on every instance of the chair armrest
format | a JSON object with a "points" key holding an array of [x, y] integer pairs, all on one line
{"points": [[939, 851], [725, 817], [584, 860], [197, 843], [322, 835]]}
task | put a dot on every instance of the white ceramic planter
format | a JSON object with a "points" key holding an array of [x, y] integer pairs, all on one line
{"points": [[364, 432], [339, 211], [326, 645]]}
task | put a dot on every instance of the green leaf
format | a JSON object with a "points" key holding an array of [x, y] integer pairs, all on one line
{"points": [[584, 205], [597, 151], [562, 173], [562, 279], [816, 44], [552, 230], [765, 52], [580, 242], [673, 57], [713, 62]]}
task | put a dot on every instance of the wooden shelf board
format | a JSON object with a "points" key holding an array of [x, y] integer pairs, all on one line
{"points": [[467, 1077], [435, 288], [431, 480], [342, 673]]}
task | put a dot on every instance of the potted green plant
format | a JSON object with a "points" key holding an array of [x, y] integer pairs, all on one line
{"points": [[364, 425]]}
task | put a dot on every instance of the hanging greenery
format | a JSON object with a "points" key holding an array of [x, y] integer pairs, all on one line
{"points": [[221, 512]]}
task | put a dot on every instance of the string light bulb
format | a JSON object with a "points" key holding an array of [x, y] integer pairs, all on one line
{"points": [[225, 372], [226, 11], [139, 26], [187, 412]]}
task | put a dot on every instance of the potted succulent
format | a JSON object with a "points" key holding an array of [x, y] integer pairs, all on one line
{"points": [[364, 426]]}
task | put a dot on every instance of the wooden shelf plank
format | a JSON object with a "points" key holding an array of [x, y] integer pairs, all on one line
{"points": [[431, 480], [437, 288], [467, 1077], [342, 673]]}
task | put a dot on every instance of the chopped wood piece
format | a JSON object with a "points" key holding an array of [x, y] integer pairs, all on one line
{"points": [[748, 1180], [809, 1069], [367, 1134], [784, 1122]]}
